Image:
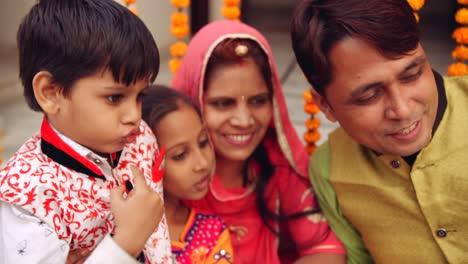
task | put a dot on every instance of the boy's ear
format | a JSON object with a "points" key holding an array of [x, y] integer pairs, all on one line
{"points": [[46, 92], [323, 104]]}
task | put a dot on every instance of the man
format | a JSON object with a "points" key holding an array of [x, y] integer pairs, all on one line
{"points": [[394, 178]]}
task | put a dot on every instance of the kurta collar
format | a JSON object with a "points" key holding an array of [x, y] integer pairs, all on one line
{"points": [[68, 153]]}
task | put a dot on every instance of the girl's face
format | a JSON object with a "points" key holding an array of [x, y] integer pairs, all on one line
{"points": [[237, 110], [189, 157]]}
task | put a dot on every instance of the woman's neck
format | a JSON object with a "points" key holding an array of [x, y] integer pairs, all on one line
{"points": [[230, 172]]}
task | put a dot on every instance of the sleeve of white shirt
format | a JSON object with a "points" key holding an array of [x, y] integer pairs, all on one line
{"points": [[24, 238]]}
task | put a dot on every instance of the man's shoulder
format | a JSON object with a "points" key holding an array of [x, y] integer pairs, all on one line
{"points": [[456, 84]]}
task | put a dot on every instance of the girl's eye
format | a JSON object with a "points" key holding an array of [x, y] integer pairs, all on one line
{"points": [[179, 156], [115, 98], [204, 143]]}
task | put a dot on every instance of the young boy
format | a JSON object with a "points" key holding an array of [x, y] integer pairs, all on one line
{"points": [[85, 64]]}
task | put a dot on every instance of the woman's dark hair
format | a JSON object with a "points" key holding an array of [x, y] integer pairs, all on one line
{"points": [[160, 100], [224, 55], [318, 25], [73, 39]]}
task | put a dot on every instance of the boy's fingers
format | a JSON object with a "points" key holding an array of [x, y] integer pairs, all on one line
{"points": [[117, 193], [138, 177]]}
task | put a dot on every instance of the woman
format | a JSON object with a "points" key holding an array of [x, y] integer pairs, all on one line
{"points": [[259, 187]]}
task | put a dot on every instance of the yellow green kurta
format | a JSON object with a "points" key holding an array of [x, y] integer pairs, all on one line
{"points": [[403, 214]]}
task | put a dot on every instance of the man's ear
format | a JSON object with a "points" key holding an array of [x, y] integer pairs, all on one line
{"points": [[324, 106], [46, 92]]}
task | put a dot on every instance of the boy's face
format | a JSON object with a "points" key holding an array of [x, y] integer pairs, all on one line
{"points": [[387, 105], [99, 113]]}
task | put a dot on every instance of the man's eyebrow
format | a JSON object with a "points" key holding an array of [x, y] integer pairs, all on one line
{"points": [[363, 88], [414, 63]]}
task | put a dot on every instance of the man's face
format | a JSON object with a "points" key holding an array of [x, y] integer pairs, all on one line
{"points": [[387, 105]]}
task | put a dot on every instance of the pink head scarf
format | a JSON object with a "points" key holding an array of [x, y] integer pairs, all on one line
{"points": [[190, 76]]}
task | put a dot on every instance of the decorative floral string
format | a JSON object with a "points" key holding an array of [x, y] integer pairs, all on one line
{"points": [[312, 135], [416, 5], [231, 9], [180, 29], [129, 5], [460, 35]]}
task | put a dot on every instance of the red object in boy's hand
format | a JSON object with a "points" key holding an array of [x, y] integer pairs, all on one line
{"points": [[158, 166]]}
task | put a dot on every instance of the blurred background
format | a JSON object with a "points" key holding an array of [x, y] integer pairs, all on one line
{"points": [[271, 17]]}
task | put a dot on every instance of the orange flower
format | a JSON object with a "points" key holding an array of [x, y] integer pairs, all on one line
{"points": [[179, 18], [180, 31], [457, 69], [311, 109], [129, 2], [133, 10], [231, 2], [460, 35], [308, 96], [311, 136], [416, 16], [178, 49], [416, 4], [174, 64], [463, 2], [461, 16], [312, 123], [460, 53], [231, 12], [180, 3], [310, 148]]}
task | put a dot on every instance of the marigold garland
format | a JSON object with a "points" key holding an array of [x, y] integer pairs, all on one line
{"points": [[180, 29], [312, 135], [128, 4], [416, 5], [231, 9], [460, 35], [461, 16], [460, 53]]}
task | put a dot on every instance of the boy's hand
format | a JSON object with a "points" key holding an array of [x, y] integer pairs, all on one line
{"points": [[137, 215], [77, 256]]}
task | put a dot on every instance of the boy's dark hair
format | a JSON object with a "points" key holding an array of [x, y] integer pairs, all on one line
{"points": [[317, 25], [73, 39], [160, 100]]}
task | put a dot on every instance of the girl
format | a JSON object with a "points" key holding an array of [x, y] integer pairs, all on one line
{"points": [[260, 183], [189, 162]]}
